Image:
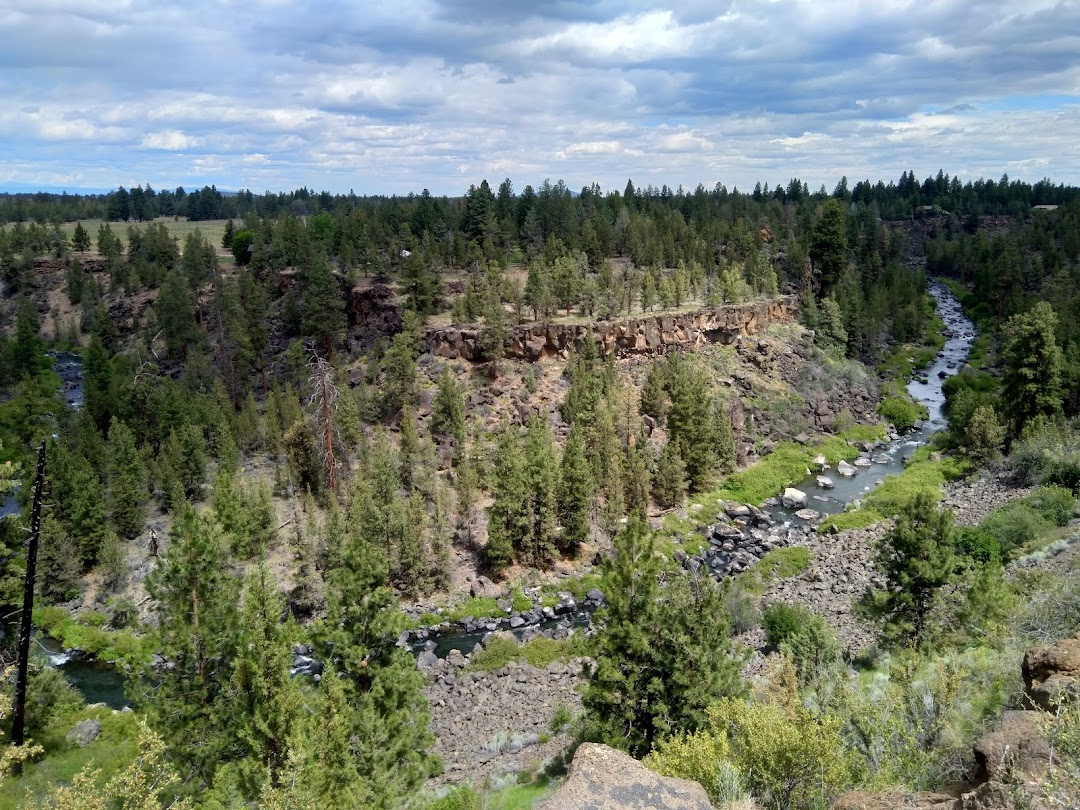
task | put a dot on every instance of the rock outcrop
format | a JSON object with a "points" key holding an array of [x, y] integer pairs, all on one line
{"points": [[602, 778], [644, 335], [1052, 673]]}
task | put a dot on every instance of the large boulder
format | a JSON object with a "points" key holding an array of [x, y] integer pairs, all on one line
{"points": [[485, 587], [1052, 674], [1014, 748], [84, 732], [602, 778], [793, 498]]}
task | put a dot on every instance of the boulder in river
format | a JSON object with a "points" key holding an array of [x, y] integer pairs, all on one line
{"points": [[809, 515], [845, 469], [793, 498], [825, 482], [821, 463]]}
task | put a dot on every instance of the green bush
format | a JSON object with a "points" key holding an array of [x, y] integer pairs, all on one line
{"points": [[901, 411], [781, 622], [702, 757], [49, 697], [1016, 526], [1056, 504], [460, 798], [981, 546]]}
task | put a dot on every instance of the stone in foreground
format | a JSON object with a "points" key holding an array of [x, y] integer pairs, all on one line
{"points": [[825, 482], [602, 778]]}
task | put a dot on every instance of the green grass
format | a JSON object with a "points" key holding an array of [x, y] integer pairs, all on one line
{"points": [[786, 465], [212, 229], [114, 749], [520, 601], [478, 607], [780, 563], [86, 634], [539, 652], [920, 475], [578, 585], [518, 797]]}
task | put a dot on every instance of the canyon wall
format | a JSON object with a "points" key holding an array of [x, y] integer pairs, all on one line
{"points": [[655, 334]]}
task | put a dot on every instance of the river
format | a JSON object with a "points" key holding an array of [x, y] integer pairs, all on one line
{"points": [[100, 682]]}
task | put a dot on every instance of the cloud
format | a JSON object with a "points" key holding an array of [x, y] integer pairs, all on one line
{"points": [[399, 96], [169, 140]]}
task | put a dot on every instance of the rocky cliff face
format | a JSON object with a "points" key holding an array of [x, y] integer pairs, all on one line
{"points": [[645, 335]]}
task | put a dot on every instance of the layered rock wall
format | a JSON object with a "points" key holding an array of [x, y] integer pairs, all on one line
{"points": [[646, 335]]}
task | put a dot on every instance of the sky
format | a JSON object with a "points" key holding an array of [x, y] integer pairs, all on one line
{"points": [[394, 97]]}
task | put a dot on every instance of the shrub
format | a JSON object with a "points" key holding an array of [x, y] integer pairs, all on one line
{"points": [[980, 546], [1015, 526], [560, 719], [785, 755], [703, 758], [901, 411], [1056, 504], [782, 621], [48, 697]]}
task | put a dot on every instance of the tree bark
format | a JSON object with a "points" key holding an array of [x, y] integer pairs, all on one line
{"points": [[26, 627]]}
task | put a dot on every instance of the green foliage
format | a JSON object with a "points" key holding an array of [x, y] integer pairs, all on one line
{"points": [[916, 559], [448, 409], [539, 652], [195, 595], [127, 481], [703, 757], [574, 495], [1033, 367], [663, 652], [901, 411]]}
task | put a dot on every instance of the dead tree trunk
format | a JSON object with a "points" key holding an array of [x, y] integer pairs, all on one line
{"points": [[26, 626]]}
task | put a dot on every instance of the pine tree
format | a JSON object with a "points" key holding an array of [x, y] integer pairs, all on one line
{"points": [[691, 423], [537, 544], [724, 435], [663, 651], [80, 239], [195, 596], [575, 494], [670, 477], [916, 558], [466, 485], [448, 410], [264, 704], [227, 237], [654, 399], [408, 448], [508, 521], [78, 501], [127, 481], [324, 305], [176, 317], [1032, 359], [636, 479], [58, 563], [387, 718]]}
